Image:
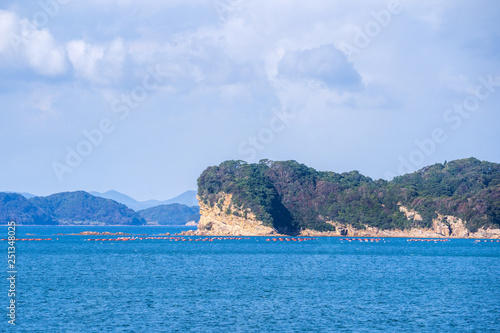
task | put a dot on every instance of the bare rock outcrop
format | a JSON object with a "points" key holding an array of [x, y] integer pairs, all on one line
{"points": [[444, 226], [225, 219]]}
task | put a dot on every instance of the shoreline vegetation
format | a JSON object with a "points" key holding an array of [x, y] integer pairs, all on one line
{"points": [[457, 199]]}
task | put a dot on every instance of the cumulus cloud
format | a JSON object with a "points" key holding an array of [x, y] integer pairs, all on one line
{"points": [[44, 55], [22, 41], [8, 23], [97, 63], [325, 64]]}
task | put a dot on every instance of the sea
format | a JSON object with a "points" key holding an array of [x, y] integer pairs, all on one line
{"points": [[157, 283]]}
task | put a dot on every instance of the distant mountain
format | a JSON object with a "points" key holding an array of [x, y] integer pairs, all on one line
{"points": [[15, 207], [173, 214], [24, 194], [83, 208], [86, 208], [27, 195], [118, 197], [187, 198]]}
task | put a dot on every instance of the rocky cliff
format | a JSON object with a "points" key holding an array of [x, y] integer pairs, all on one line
{"points": [[444, 226], [226, 219], [218, 221]]}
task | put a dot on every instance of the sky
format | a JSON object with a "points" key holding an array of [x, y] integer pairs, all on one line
{"points": [[142, 96]]}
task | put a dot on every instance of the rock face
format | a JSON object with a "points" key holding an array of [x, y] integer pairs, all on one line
{"points": [[223, 219], [450, 226], [218, 221], [444, 226], [410, 213]]}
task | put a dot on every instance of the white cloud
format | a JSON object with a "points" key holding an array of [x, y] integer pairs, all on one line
{"points": [[229, 71], [84, 58], [324, 64], [44, 55], [21, 41], [155, 4], [97, 63], [8, 23]]}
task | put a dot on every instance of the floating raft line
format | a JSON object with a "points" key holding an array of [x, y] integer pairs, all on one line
{"points": [[28, 239], [427, 240], [486, 241], [203, 239], [376, 240], [295, 239], [176, 239]]}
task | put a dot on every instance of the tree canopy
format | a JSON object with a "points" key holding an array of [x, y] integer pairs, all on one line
{"points": [[291, 196]]}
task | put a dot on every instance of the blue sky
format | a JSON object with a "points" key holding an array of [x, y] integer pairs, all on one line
{"points": [[141, 97]]}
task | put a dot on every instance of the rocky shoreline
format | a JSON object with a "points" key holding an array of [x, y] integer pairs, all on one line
{"points": [[215, 221], [414, 233]]}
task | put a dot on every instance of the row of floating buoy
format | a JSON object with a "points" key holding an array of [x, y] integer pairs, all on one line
{"points": [[427, 240], [376, 240], [176, 239], [28, 239], [211, 239], [205, 239], [295, 239]]}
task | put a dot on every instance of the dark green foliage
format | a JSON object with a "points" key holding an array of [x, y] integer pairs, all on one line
{"points": [[83, 208], [15, 207], [467, 188], [250, 187], [292, 196], [174, 214]]}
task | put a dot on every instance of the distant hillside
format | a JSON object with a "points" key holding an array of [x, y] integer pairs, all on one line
{"points": [[24, 194], [118, 197], [187, 198], [83, 208], [174, 214], [290, 196], [27, 195], [15, 207]]}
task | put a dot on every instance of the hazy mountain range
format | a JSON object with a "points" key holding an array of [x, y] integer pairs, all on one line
{"points": [[187, 198], [82, 208], [24, 194]]}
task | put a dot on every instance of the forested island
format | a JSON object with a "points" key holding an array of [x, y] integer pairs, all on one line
{"points": [[460, 198]]}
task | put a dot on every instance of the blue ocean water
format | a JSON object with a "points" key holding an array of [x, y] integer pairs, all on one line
{"points": [[69, 284]]}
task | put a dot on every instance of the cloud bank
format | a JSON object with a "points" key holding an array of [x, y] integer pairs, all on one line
{"points": [[228, 69]]}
